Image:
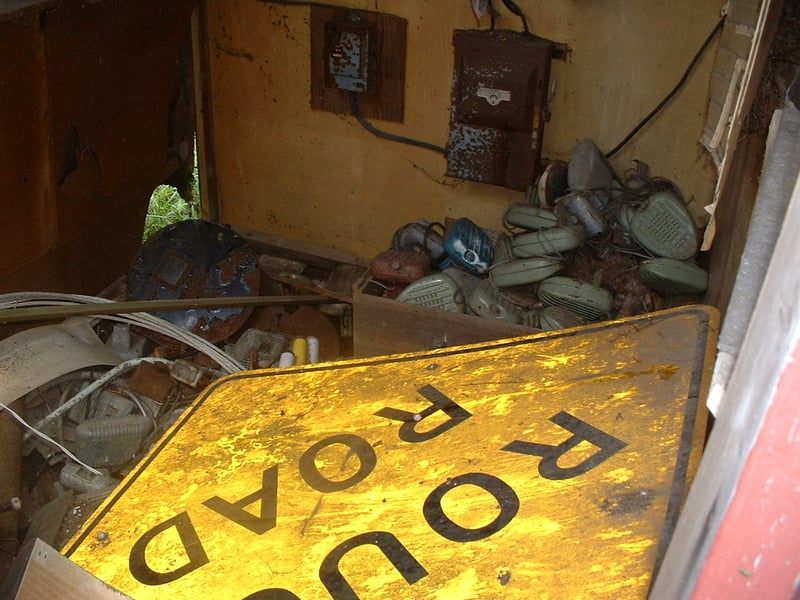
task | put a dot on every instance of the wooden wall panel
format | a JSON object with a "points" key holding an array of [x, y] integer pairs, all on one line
{"points": [[93, 126], [286, 169], [26, 194]]}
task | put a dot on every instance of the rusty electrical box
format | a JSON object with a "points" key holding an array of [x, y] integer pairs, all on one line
{"points": [[350, 50], [500, 86], [358, 51]]}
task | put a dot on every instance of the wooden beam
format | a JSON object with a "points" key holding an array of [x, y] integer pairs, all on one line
{"points": [[15, 9], [312, 289], [204, 121], [319, 256]]}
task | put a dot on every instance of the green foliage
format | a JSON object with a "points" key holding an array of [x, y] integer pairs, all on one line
{"points": [[167, 206]]}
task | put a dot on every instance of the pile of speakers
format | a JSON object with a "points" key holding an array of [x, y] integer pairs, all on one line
{"points": [[523, 275]]}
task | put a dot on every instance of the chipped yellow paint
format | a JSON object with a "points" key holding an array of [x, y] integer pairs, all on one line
{"points": [[551, 466]]}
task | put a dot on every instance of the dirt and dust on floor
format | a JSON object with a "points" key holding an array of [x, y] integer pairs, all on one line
{"points": [[88, 393]]}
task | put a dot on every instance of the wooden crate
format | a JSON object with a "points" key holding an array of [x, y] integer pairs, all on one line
{"points": [[383, 326]]}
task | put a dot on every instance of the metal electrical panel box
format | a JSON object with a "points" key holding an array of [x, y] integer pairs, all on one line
{"points": [[500, 86], [336, 33], [350, 50]]}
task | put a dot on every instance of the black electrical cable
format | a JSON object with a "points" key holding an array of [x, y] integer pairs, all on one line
{"points": [[493, 14], [385, 135], [354, 97], [674, 91], [512, 6]]}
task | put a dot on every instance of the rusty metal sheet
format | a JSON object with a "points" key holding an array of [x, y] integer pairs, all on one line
{"points": [[197, 259], [500, 83], [550, 466]]}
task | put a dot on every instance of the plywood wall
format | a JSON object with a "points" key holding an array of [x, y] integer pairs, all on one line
{"points": [[316, 176], [84, 104]]}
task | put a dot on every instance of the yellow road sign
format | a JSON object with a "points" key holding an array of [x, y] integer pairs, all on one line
{"points": [[551, 466]]}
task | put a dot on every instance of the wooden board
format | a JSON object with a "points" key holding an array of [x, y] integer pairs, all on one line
{"points": [[86, 163], [43, 529], [318, 256], [50, 575], [383, 326], [551, 466]]}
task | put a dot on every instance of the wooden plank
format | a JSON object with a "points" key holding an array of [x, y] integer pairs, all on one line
{"points": [[733, 219], [344, 278], [44, 527], [382, 326], [318, 256], [203, 101], [765, 31], [85, 164], [16, 9], [744, 12], [310, 288], [51, 575], [30, 229]]}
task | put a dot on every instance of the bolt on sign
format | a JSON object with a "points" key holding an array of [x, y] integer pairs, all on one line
{"points": [[549, 466]]}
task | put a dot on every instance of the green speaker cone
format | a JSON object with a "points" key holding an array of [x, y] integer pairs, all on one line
{"points": [[502, 250], [552, 318], [434, 291], [524, 270], [673, 277], [548, 242], [530, 318], [588, 300], [528, 216], [486, 301], [664, 227]]}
